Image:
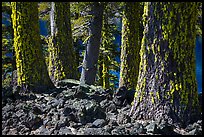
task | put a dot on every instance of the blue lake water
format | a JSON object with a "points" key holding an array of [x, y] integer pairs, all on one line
{"points": [[199, 62]]}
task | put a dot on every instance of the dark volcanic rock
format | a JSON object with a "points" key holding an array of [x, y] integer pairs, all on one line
{"points": [[152, 127], [41, 131], [194, 132], [20, 113], [68, 83], [81, 110], [123, 118], [108, 106], [37, 110], [65, 131], [119, 130], [119, 96], [67, 111], [92, 131], [33, 121], [99, 123], [165, 128], [137, 129], [13, 131]]}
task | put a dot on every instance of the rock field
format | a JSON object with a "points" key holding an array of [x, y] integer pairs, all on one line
{"points": [[80, 110]]}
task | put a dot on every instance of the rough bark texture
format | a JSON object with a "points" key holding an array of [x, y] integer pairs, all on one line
{"points": [[130, 45], [104, 55], [167, 87], [30, 63], [62, 60], [92, 50]]}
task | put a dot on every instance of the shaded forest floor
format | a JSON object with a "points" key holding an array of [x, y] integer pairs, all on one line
{"points": [[79, 110]]}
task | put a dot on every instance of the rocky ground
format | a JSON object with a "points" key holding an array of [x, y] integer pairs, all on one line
{"points": [[80, 110]]}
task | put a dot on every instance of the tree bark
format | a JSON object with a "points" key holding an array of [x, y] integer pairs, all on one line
{"points": [[62, 59], [90, 60], [30, 63], [130, 45], [167, 87]]}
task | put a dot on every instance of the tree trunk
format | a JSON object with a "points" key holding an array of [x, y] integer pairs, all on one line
{"points": [[30, 63], [100, 69], [130, 45], [62, 60], [166, 87], [105, 47], [92, 50]]}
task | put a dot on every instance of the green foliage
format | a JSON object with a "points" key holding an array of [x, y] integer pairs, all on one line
{"points": [[199, 21], [7, 45]]}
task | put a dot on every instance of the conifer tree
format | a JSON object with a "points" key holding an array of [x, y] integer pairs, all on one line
{"points": [[130, 45], [62, 57], [90, 61], [30, 63], [167, 87]]}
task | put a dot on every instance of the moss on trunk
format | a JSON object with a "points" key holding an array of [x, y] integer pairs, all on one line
{"points": [[30, 63], [130, 45], [62, 60], [167, 87]]}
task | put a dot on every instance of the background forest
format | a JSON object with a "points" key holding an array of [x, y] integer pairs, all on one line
{"points": [[79, 28], [147, 53]]}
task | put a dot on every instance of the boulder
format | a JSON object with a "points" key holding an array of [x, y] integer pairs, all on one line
{"points": [[92, 131], [99, 123], [152, 127]]}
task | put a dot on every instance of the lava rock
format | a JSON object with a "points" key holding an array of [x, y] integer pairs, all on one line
{"points": [[68, 83], [20, 113], [13, 131], [119, 130], [65, 131], [42, 131], [63, 122], [46, 120], [8, 108], [92, 131], [130, 96], [37, 110], [109, 106], [53, 102], [108, 128], [123, 118], [99, 123], [119, 96], [5, 131], [165, 128], [67, 111], [24, 131], [194, 132], [34, 121], [152, 127]]}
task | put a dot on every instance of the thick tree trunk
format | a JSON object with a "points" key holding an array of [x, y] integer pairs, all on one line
{"points": [[92, 50], [130, 45], [30, 63], [166, 87], [62, 60]]}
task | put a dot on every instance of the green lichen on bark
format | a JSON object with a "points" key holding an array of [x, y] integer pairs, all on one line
{"points": [[30, 63], [106, 42], [168, 64], [130, 45], [100, 69], [62, 60]]}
